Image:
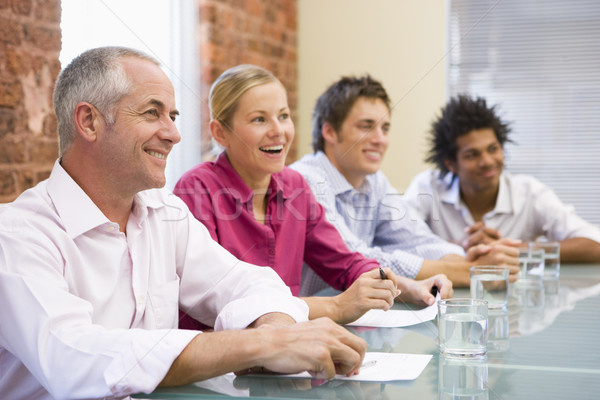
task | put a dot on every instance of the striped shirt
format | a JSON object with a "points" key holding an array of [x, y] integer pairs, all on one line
{"points": [[372, 219]]}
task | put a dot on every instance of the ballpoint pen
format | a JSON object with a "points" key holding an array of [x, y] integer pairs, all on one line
{"points": [[384, 277], [382, 273]]}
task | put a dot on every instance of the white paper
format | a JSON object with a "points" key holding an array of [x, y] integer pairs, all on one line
{"points": [[382, 367], [396, 318]]}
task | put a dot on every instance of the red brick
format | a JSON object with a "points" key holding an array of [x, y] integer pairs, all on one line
{"points": [[50, 126], [48, 10], [8, 186], [42, 174], [22, 7], [11, 93], [44, 151], [25, 179], [11, 32], [43, 38], [7, 122], [13, 150]]}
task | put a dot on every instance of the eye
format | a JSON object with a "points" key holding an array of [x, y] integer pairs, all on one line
{"points": [[284, 116], [493, 148], [173, 117], [365, 127], [153, 112], [258, 119], [386, 128]]}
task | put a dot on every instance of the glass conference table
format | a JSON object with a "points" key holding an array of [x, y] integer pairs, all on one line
{"points": [[552, 353]]}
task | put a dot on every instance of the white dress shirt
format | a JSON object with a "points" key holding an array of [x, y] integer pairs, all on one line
{"points": [[373, 220], [525, 209], [89, 312]]}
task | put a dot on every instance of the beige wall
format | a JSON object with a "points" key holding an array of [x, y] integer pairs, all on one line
{"points": [[399, 42]]}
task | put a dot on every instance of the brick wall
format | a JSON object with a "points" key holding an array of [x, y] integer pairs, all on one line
{"points": [[30, 43], [260, 32]]}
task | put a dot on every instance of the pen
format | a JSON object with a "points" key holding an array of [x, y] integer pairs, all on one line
{"points": [[382, 274]]}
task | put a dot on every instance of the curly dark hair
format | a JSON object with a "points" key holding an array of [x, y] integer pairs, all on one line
{"points": [[459, 116], [336, 102]]}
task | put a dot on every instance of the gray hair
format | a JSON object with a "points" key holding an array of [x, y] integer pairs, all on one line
{"points": [[96, 76]]}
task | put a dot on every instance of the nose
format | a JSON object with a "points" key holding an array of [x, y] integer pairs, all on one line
{"points": [[379, 136], [276, 128], [170, 132], [486, 159]]}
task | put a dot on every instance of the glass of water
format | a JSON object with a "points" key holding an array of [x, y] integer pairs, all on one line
{"points": [[551, 265], [463, 330], [529, 288], [490, 282]]}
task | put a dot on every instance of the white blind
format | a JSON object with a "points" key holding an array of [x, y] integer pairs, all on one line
{"points": [[539, 60]]}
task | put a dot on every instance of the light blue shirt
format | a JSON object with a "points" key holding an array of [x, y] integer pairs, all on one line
{"points": [[373, 220]]}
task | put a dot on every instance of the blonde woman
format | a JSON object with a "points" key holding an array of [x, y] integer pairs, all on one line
{"points": [[265, 213]]}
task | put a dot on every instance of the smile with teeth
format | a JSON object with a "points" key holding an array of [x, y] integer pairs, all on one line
{"points": [[272, 149], [157, 155]]}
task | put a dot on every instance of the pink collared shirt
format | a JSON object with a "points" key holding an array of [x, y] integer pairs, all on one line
{"points": [[89, 312], [295, 229]]}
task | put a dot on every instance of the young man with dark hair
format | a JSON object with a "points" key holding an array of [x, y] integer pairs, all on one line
{"points": [[351, 123], [470, 199]]}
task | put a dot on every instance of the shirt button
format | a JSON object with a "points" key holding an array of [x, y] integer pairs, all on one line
{"points": [[271, 252], [140, 300]]}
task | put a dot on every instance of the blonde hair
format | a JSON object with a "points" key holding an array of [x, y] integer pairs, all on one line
{"points": [[227, 90]]}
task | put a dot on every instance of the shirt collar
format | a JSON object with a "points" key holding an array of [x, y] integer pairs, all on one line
{"points": [[338, 182], [452, 194], [231, 179], [77, 211], [503, 201]]}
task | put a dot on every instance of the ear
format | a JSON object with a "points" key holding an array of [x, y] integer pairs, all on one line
{"points": [[218, 133], [87, 121], [329, 134], [451, 165]]}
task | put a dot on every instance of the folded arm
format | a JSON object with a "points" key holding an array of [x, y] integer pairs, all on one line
{"points": [[321, 347]]}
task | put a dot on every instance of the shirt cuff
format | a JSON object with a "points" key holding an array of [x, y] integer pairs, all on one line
{"points": [[144, 365], [240, 313]]}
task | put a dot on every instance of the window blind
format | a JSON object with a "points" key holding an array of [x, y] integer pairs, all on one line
{"points": [[539, 61]]}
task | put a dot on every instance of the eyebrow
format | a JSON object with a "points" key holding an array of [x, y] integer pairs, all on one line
{"points": [[372, 121]]}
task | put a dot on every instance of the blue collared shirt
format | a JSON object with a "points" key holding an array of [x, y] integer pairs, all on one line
{"points": [[373, 219]]}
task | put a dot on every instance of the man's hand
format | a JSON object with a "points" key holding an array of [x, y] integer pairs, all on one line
{"points": [[419, 292], [503, 252], [320, 347], [478, 233]]}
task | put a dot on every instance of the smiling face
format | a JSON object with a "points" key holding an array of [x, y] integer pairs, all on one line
{"points": [[479, 161], [133, 150], [358, 148], [261, 134]]}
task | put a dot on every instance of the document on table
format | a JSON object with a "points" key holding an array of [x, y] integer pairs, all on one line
{"points": [[396, 318], [382, 367]]}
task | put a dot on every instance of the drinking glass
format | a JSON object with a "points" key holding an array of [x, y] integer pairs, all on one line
{"points": [[463, 330]]}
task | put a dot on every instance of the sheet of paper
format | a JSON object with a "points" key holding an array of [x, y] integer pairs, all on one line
{"points": [[383, 367], [396, 318]]}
